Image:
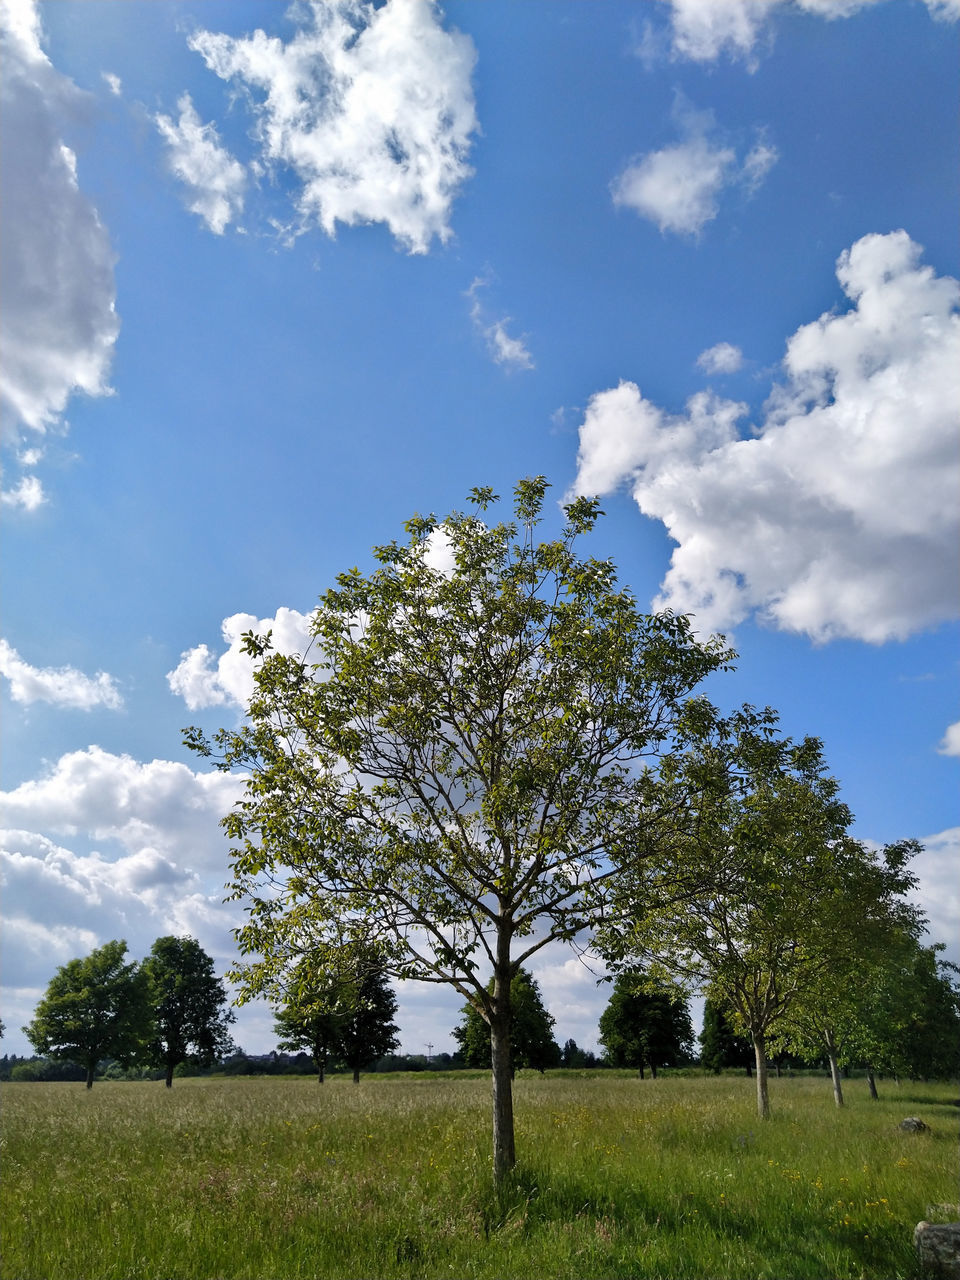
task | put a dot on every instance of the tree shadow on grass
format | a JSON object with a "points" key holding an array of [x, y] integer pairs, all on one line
{"points": [[535, 1199]]}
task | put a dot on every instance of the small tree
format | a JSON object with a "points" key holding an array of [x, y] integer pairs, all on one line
{"points": [[531, 1030], [190, 1023], [95, 1008], [367, 1032], [721, 1045], [315, 1006], [457, 767], [757, 895], [645, 1027]]}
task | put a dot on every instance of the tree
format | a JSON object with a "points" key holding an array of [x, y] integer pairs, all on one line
{"points": [[721, 1045], [314, 1007], [872, 934], [368, 1031], [757, 896], [531, 1029], [189, 1020], [455, 768], [645, 1027], [95, 1008]]}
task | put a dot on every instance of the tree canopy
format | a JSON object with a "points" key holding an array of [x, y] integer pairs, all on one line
{"points": [[187, 1001], [96, 1007], [456, 767]]}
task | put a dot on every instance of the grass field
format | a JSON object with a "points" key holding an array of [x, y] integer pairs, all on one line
{"points": [[276, 1178]]}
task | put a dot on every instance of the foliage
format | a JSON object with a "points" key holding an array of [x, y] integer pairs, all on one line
{"points": [[455, 768], [315, 1004], [189, 1020], [96, 1007], [721, 1045], [531, 1029], [645, 1027]]}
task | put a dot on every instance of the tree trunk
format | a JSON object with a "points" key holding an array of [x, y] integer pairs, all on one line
{"points": [[653, 1070], [749, 1070], [320, 1074], [763, 1096], [501, 1057], [356, 1075], [169, 1079], [91, 1067], [834, 1069], [872, 1085], [640, 1071], [776, 1063]]}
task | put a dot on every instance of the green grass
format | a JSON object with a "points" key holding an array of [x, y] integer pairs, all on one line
{"points": [[278, 1178]]}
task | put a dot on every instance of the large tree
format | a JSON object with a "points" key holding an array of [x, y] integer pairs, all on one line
{"points": [[455, 769], [643, 1026], [531, 1029], [368, 1031], [760, 895], [96, 1007], [189, 1019], [314, 1001]]}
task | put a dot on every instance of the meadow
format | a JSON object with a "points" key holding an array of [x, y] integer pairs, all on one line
{"points": [[278, 1178]]}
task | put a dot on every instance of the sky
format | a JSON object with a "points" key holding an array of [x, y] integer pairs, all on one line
{"points": [[275, 279]]}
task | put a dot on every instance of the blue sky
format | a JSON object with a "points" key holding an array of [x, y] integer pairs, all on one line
{"points": [[274, 280]]}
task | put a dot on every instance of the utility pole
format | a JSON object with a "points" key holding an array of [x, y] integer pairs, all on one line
{"points": [[429, 1051]]}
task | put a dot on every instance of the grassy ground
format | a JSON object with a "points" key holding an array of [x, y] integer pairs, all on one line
{"points": [[280, 1178]]}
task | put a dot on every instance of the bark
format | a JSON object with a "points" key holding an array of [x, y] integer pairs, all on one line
{"points": [[501, 1055], [834, 1069], [356, 1075], [320, 1074], [653, 1071], [640, 1071], [91, 1067], [872, 1085], [763, 1095], [169, 1079]]}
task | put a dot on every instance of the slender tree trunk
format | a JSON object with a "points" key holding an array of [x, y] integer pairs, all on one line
{"points": [[834, 1069], [872, 1085], [501, 1057], [320, 1074], [640, 1071], [749, 1070], [763, 1095], [91, 1067], [169, 1079], [776, 1063], [653, 1070], [356, 1075]]}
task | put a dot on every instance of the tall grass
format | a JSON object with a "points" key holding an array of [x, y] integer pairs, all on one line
{"points": [[278, 1178]]}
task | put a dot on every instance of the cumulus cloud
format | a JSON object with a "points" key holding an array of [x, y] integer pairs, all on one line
{"points": [[950, 746], [62, 686], [679, 187], [723, 358], [160, 806], [938, 893], [837, 517], [213, 179], [371, 109], [702, 30], [504, 349], [203, 681], [58, 325], [113, 83]]}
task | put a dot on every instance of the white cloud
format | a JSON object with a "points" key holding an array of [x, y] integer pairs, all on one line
{"points": [[214, 180], [939, 890], [838, 517], [950, 746], [63, 686], [679, 187], [58, 325], [506, 350], [202, 684], [723, 358], [371, 108], [160, 807], [704, 29], [113, 83], [28, 495]]}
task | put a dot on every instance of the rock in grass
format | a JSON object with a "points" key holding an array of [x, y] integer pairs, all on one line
{"points": [[913, 1124], [938, 1245]]}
